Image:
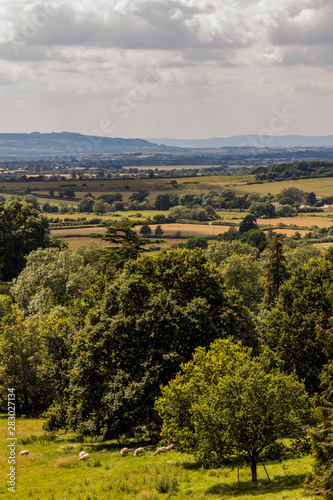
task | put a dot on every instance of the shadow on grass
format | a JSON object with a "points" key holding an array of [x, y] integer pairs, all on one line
{"points": [[191, 465], [262, 487]]}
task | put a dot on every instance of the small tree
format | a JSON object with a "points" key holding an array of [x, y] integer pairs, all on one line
{"points": [[100, 207], [248, 223], [159, 231], [225, 403], [145, 230]]}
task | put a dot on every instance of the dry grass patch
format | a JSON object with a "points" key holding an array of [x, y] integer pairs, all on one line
{"points": [[66, 462]]}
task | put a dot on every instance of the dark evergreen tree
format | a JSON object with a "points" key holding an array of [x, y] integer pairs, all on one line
{"points": [[276, 271], [321, 481], [248, 223]]}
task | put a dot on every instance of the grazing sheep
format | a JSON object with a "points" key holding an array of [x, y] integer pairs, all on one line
{"points": [[24, 452], [84, 457], [169, 447], [162, 449], [138, 451], [124, 452], [82, 453]]}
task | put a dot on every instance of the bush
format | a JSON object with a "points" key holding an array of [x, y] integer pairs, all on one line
{"points": [[166, 484]]}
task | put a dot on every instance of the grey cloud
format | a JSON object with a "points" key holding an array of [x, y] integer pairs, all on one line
{"points": [[158, 25], [15, 51], [315, 29], [314, 56]]}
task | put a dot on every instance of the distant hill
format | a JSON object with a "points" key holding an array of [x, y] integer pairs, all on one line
{"points": [[71, 143], [252, 140]]}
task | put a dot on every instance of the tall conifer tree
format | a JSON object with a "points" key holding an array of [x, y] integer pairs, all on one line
{"points": [[276, 271]]}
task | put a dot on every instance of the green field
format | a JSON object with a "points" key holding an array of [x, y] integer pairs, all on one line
{"points": [[52, 471]]}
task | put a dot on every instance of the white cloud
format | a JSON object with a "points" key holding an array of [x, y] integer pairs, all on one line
{"points": [[215, 58]]}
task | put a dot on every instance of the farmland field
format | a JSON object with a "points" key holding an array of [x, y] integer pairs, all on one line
{"points": [[52, 471]]}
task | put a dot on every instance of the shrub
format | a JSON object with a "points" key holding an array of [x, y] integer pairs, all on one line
{"points": [[166, 484]]}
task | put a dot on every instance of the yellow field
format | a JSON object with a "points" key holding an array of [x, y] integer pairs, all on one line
{"points": [[169, 230], [298, 221]]}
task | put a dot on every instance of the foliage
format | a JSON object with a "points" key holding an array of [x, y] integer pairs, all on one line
{"points": [[285, 211], [22, 229], [224, 403], [86, 204], [52, 277], [158, 231], [230, 235], [295, 170], [145, 229], [164, 201], [320, 482], [262, 209], [196, 242], [256, 238], [139, 196], [244, 273], [219, 252], [152, 317], [20, 357], [289, 329], [129, 244], [247, 224], [100, 207], [276, 271]]}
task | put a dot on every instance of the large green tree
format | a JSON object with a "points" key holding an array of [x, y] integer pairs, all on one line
{"points": [[22, 229], [152, 317], [52, 277]]}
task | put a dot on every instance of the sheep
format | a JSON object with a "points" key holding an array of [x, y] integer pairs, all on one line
{"points": [[82, 453], [169, 447], [84, 457], [24, 452], [162, 449], [124, 452], [138, 451], [102, 451]]}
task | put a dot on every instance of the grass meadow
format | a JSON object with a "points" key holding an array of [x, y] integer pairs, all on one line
{"points": [[52, 471]]}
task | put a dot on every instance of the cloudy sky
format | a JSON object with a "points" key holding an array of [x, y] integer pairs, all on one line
{"points": [[158, 68]]}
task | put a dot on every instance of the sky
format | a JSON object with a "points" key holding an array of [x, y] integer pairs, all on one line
{"points": [[157, 68]]}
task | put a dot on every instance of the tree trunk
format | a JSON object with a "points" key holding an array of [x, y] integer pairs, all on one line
{"points": [[254, 469]]}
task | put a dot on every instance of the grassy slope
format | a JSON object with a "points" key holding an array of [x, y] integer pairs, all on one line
{"points": [[52, 471]]}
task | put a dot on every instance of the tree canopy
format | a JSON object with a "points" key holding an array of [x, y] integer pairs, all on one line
{"points": [[151, 318], [225, 403], [22, 229]]}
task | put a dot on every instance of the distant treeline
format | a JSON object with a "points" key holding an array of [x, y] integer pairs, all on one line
{"points": [[295, 170]]}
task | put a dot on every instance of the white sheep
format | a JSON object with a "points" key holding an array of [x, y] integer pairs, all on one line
{"points": [[124, 452], [138, 451], [82, 453], [162, 449], [24, 452], [84, 457]]}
